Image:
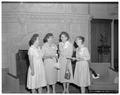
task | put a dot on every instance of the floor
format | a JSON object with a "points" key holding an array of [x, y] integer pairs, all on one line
{"points": [[72, 89], [59, 89]]}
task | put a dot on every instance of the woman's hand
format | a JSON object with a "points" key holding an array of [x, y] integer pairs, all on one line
{"points": [[46, 57], [73, 58], [69, 58], [79, 59], [56, 56], [51, 56]]}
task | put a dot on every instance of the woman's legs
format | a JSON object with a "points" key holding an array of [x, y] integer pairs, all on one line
{"points": [[64, 87], [40, 90], [67, 89], [94, 74], [33, 90], [53, 87], [48, 89], [82, 89]]}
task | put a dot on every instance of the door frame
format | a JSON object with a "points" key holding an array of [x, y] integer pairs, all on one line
{"points": [[112, 39]]}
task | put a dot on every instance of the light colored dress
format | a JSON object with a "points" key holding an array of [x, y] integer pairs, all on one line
{"points": [[38, 79], [82, 74], [66, 51], [49, 63]]}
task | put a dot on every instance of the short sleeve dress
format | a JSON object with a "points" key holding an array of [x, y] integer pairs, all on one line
{"points": [[38, 79], [82, 74], [49, 63], [66, 51]]}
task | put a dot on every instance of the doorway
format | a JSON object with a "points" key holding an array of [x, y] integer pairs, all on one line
{"points": [[101, 40]]}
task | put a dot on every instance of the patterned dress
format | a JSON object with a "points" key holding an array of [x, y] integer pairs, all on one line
{"points": [[38, 79], [50, 70], [66, 51]]}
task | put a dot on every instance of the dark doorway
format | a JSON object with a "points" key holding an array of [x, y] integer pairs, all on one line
{"points": [[100, 40]]}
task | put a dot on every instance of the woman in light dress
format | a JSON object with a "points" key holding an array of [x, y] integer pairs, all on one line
{"points": [[36, 73], [82, 74], [65, 52], [50, 58]]}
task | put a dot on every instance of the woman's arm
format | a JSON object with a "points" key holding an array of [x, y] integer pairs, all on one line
{"points": [[31, 64], [69, 51], [50, 56], [85, 56], [80, 59]]}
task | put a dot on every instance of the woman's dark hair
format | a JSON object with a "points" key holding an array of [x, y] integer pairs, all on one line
{"points": [[47, 37], [64, 33], [75, 45], [33, 39], [81, 38]]}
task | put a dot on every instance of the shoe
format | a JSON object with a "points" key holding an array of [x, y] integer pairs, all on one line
{"points": [[95, 77]]}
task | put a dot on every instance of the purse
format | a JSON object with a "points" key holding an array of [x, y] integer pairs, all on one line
{"points": [[67, 73]]}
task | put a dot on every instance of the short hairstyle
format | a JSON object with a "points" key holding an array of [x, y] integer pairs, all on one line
{"points": [[33, 39], [47, 37], [81, 38], [64, 33]]}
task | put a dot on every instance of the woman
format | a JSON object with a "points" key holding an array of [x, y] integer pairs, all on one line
{"points": [[65, 52], [36, 73], [50, 57], [82, 74]]}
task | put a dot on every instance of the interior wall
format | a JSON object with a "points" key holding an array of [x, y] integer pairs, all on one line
{"points": [[42, 19], [104, 10], [21, 21]]}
